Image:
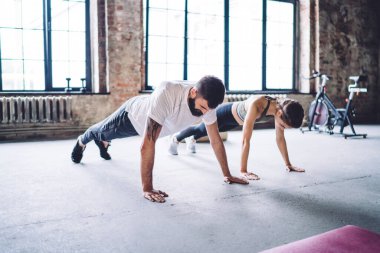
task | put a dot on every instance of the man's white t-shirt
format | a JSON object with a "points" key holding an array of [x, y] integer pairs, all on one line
{"points": [[168, 106]]}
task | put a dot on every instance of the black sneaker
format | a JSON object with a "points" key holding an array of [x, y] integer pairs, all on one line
{"points": [[77, 154], [103, 150]]}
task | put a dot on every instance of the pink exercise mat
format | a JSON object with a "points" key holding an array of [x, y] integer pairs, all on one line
{"points": [[348, 239]]}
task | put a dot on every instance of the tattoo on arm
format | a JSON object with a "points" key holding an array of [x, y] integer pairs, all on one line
{"points": [[152, 129]]}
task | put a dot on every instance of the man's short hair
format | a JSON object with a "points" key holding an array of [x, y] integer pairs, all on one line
{"points": [[211, 89]]}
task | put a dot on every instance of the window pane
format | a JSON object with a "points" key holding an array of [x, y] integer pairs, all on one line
{"points": [[157, 49], [11, 44], [32, 16], [60, 73], [205, 27], [211, 7], [205, 39], [34, 75], [77, 70], [59, 15], [77, 46], [68, 42], [245, 78], [162, 72], [12, 74], [175, 50], [245, 66], [242, 54], [280, 56], [158, 3], [60, 45], [252, 9], [33, 44], [77, 21], [245, 46], [166, 43], [175, 4], [157, 22], [157, 74], [176, 23], [22, 45], [205, 52], [279, 78], [279, 67], [10, 13], [167, 4], [174, 72], [279, 33], [280, 12], [280, 45], [67, 69], [196, 23], [197, 53], [246, 30], [214, 52], [196, 72]]}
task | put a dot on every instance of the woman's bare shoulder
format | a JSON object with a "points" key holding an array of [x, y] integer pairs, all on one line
{"points": [[259, 103]]}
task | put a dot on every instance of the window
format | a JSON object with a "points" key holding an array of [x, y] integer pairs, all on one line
{"points": [[166, 41], [249, 44], [245, 44], [43, 45], [280, 44], [205, 38]]}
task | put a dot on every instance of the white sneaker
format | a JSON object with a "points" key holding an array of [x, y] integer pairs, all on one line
{"points": [[173, 148], [190, 144]]}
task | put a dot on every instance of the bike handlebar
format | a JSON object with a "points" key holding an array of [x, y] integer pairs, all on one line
{"points": [[316, 74]]}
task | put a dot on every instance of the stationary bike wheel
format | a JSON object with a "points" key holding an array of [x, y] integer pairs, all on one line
{"points": [[321, 115]]}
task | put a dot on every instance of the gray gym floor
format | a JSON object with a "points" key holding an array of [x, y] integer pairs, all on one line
{"points": [[49, 204]]}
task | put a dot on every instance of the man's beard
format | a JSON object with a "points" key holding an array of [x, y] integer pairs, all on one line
{"points": [[195, 112]]}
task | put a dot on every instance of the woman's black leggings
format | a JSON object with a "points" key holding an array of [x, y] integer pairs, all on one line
{"points": [[226, 122]]}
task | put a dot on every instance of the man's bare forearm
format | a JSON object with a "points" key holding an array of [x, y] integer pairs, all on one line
{"points": [[220, 153], [147, 163], [218, 147], [148, 153]]}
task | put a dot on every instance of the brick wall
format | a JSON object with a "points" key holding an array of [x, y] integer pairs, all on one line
{"points": [[349, 45]]}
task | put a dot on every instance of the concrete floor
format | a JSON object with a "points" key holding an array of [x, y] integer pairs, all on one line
{"points": [[49, 204]]}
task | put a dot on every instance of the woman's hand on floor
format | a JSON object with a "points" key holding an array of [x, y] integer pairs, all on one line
{"points": [[250, 176], [236, 180], [291, 168]]}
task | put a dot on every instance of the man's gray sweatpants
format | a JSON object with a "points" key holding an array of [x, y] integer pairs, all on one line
{"points": [[115, 126]]}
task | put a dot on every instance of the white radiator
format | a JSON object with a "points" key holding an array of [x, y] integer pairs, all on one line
{"points": [[35, 109]]}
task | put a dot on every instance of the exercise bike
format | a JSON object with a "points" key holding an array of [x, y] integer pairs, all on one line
{"points": [[323, 115]]}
